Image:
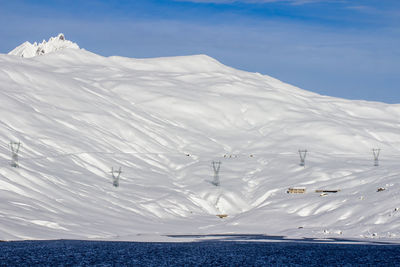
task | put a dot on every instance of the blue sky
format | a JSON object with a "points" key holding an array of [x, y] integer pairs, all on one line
{"points": [[342, 48]]}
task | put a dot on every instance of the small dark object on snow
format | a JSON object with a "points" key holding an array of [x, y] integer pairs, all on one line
{"points": [[380, 189], [327, 191]]}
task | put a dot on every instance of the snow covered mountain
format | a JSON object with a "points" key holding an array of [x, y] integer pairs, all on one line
{"points": [[54, 44], [164, 121]]}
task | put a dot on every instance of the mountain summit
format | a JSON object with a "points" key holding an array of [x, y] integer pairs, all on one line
{"points": [[53, 44]]}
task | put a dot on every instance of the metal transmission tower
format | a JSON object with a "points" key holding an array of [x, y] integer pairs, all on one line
{"points": [[14, 146], [115, 174], [302, 154], [216, 166], [376, 152]]}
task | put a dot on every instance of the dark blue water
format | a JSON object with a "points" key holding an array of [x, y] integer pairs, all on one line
{"points": [[210, 253]]}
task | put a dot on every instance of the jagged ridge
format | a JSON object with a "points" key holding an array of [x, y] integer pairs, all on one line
{"points": [[29, 50]]}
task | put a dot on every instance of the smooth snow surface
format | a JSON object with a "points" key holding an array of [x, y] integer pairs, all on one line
{"points": [[164, 121]]}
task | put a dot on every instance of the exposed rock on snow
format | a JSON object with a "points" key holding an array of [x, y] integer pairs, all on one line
{"points": [[54, 44]]}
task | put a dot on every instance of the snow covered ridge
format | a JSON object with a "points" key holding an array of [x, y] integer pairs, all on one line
{"points": [[28, 50], [76, 119]]}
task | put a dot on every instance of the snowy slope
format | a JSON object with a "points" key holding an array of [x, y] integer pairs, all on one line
{"points": [[163, 121]]}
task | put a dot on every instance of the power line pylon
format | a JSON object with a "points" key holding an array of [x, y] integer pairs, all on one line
{"points": [[14, 146], [376, 152], [115, 175], [216, 167], [302, 154]]}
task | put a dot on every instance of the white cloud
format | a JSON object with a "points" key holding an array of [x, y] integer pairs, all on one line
{"points": [[294, 2]]}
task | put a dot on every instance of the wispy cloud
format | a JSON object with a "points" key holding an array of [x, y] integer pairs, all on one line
{"points": [[361, 8], [294, 2]]}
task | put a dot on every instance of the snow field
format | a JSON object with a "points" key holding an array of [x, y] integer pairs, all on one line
{"points": [[163, 121]]}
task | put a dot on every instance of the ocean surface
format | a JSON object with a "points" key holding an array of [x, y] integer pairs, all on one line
{"points": [[203, 253]]}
